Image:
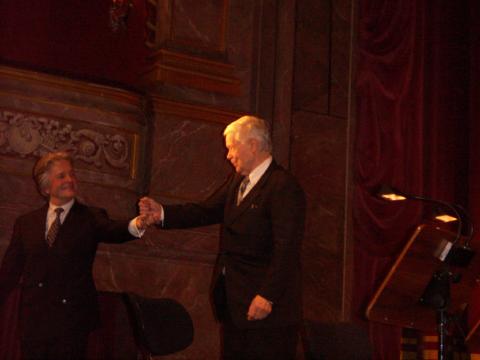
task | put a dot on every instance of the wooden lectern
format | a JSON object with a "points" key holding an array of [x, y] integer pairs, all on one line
{"points": [[408, 295], [472, 317]]}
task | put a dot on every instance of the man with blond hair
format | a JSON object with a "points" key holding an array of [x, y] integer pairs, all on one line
{"points": [[261, 207], [50, 256]]}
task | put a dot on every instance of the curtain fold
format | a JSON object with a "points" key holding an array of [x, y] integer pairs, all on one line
{"points": [[412, 131], [474, 148], [389, 146]]}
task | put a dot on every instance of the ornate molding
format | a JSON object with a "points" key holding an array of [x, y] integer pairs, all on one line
{"points": [[119, 12], [11, 77], [188, 42], [103, 149], [193, 111]]}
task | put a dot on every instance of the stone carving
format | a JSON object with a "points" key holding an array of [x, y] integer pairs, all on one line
{"points": [[31, 135], [119, 12]]}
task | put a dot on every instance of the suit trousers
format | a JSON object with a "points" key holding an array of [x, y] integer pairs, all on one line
{"points": [[264, 343], [68, 347]]}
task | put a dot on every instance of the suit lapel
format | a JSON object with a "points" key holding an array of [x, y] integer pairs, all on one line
{"points": [[39, 223], [235, 211], [230, 203], [69, 223], [70, 218]]}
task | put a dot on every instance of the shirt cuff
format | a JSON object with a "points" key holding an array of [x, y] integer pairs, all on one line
{"points": [[162, 217], [133, 229]]}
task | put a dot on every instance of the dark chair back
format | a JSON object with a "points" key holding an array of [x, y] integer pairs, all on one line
{"points": [[162, 326]]}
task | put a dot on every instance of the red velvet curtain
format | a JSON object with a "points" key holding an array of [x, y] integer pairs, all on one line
{"points": [[412, 121], [474, 146], [474, 101], [389, 145]]}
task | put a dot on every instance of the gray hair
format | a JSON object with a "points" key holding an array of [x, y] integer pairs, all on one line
{"points": [[42, 167], [250, 127]]}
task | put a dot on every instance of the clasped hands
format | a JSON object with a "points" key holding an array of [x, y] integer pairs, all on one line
{"points": [[151, 213]]}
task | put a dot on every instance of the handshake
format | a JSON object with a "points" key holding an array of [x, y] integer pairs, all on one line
{"points": [[151, 213]]}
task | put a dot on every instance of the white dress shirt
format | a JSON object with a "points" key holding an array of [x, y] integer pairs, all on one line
{"points": [[256, 174], [51, 215]]}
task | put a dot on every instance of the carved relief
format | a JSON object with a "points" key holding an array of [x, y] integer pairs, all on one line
{"points": [[188, 43], [28, 135]]}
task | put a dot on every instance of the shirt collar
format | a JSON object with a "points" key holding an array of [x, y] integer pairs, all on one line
{"points": [[258, 172], [66, 207]]}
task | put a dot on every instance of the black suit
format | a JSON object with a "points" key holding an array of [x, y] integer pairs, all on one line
{"points": [[58, 292], [259, 245]]}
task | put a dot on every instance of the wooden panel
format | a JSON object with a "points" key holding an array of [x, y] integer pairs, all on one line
{"points": [[200, 24], [321, 150], [341, 48], [312, 56], [191, 71], [473, 318], [189, 25], [193, 111], [319, 153], [190, 42], [322, 59], [64, 88]]}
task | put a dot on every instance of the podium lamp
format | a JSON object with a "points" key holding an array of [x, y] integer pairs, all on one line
{"points": [[430, 279]]}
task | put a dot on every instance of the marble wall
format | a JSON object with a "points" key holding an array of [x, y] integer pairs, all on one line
{"points": [[210, 62], [321, 151]]}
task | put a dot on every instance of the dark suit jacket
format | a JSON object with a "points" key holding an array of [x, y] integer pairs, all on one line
{"points": [[58, 292], [259, 244]]}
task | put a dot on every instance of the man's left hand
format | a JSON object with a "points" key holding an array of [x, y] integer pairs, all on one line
{"points": [[259, 309]]}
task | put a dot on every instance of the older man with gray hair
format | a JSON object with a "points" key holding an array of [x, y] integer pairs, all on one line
{"points": [[51, 255], [261, 207]]}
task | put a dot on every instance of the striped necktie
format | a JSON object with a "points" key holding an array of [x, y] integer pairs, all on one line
{"points": [[54, 228], [242, 188]]}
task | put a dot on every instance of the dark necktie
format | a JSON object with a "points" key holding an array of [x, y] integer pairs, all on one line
{"points": [[242, 188], [53, 231]]}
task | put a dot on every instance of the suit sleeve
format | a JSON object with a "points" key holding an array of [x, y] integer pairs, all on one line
{"points": [[204, 213], [13, 264], [108, 230], [287, 213]]}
